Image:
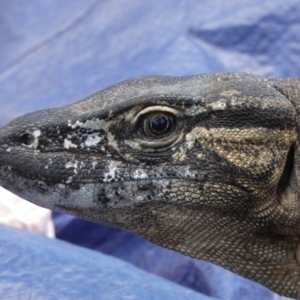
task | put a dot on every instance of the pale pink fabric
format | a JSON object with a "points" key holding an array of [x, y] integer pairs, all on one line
{"points": [[20, 213]]}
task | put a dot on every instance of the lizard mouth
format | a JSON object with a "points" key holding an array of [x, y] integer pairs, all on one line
{"points": [[133, 193]]}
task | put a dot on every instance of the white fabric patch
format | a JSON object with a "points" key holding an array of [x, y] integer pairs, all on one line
{"points": [[19, 213]]}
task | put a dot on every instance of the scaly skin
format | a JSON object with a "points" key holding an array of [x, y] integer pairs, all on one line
{"points": [[206, 165]]}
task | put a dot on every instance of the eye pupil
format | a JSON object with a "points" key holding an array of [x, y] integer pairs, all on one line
{"points": [[159, 124]]}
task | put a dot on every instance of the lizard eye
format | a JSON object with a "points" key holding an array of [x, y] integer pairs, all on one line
{"points": [[158, 127], [158, 124]]}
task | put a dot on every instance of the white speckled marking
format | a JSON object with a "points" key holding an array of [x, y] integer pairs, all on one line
{"points": [[36, 133], [218, 105], [68, 144], [112, 170], [140, 174], [93, 124], [92, 140], [69, 180], [76, 165]]}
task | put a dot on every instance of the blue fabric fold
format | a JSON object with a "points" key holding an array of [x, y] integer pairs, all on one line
{"points": [[36, 267]]}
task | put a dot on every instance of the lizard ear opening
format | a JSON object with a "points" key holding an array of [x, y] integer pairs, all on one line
{"points": [[284, 181]]}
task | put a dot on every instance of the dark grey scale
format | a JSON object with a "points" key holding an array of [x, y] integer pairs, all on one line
{"points": [[249, 119], [60, 139]]}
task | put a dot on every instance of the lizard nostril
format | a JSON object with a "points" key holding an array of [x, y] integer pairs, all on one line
{"points": [[27, 139]]}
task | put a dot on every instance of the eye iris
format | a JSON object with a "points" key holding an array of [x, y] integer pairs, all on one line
{"points": [[159, 124]]}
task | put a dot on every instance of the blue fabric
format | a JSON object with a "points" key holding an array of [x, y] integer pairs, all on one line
{"points": [[35, 267], [200, 276], [55, 52]]}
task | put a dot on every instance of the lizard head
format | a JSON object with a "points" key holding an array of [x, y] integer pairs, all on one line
{"points": [[205, 165]]}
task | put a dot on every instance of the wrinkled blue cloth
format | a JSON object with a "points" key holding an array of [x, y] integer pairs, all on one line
{"points": [[35, 267], [55, 52]]}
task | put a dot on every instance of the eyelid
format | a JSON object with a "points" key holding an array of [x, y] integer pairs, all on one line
{"points": [[157, 108]]}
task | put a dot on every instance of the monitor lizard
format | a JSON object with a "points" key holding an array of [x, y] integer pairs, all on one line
{"points": [[206, 165]]}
